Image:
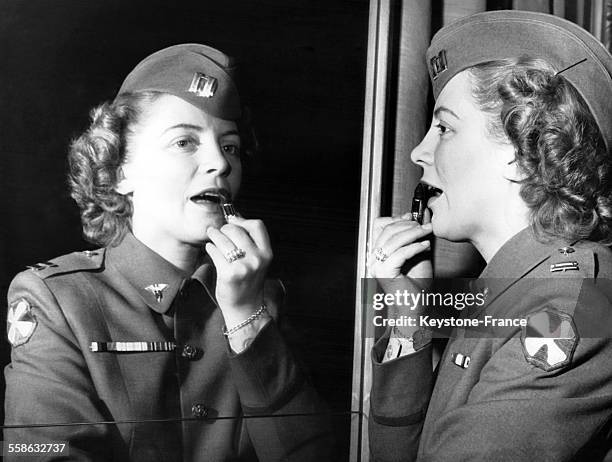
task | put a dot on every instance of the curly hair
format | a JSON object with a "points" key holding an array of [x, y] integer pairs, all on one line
{"points": [[558, 147], [94, 160]]}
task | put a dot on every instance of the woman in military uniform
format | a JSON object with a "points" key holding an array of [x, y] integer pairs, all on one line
{"points": [[518, 157], [161, 345]]}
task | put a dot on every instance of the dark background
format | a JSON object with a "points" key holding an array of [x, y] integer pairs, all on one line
{"points": [[303, 74]]}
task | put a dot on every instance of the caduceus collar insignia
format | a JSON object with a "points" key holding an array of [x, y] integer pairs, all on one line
{"points": [[157, 290]]}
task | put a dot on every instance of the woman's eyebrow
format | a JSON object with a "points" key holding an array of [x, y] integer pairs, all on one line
{"points": [[187, 126], [230, 132], [440, 109]]}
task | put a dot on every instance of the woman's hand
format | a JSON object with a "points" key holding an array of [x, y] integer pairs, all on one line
{"points": [[240, 282], [397, 240], [399, 246]]}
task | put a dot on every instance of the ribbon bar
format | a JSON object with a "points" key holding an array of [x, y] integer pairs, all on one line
{"points": [[565, 266], [130, 347]]}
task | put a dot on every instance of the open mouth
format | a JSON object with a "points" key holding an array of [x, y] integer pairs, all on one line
{"points": [[211, 196], [431, 192]]}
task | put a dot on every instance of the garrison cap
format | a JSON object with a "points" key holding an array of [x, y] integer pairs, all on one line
{"points": [[495, 35], [198, 74]]}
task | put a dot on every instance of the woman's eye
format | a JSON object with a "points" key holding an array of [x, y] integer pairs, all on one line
{"points": [[186, 143], [231, 149], [442, 129]]}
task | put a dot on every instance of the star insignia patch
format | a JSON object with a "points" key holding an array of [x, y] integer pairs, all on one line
{"points": [[549, 339], [21, 322], [157, 290]]}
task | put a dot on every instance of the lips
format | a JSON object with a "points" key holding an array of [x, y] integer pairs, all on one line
{"points": [[214, 196]]}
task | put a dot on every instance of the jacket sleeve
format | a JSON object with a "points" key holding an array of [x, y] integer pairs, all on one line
{"points": [[47, 381], [271, 384], [515, 412], [519, 412], [401, 389]]}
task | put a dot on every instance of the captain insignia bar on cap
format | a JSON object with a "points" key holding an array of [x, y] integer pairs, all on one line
{"points": [[570, 50], [438, 64], [203, 85], [198, 74]]}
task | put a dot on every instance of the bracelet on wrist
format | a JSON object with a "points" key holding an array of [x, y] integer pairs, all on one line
{"points": [[247, 321]]}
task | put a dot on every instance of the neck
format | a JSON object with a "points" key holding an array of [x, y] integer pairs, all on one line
{"points": [[512, 220], [489, 245]]}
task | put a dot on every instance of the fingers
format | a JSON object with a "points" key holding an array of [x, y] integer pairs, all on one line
{"points": [[400, 232], [256, 230], [220, 247], [405, 237], [382, 222], [391, 267], [248, 235], [245, 234], [238, 237], [399, 256], [217, 256], [397, 240], [222, 239]]}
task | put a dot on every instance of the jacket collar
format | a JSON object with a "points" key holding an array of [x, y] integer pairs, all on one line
{"points": [[517, 256], [155, 279], [514, 260]]}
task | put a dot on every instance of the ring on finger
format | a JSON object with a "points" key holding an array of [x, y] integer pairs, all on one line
{"points": [[234, 254], [380, 255]]}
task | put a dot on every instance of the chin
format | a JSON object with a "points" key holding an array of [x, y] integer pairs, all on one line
{"points": [[217, 222], [198, 227]]}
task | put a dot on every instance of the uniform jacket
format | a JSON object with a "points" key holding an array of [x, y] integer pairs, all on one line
{"points": [[107, 296], [520, 397]]}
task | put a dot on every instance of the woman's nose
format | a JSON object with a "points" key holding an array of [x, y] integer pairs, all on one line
{"points": [[213, 159], [422, 154]]}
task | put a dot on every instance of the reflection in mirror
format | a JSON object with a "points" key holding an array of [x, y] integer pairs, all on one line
{"points": [[140, 342]]}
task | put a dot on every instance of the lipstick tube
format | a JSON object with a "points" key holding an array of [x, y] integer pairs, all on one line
{"points": [[228, 210], [418, 204]]}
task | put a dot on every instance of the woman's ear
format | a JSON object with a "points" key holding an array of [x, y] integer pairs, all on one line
{"points": [[124, 185], [510, 167]]}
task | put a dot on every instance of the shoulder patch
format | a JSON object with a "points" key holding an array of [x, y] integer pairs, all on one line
{"points": [[549, 339], [21, 322], [86, 260]]}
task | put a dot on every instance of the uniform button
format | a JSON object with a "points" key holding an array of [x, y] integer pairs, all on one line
{"points": [[190, 352], [199, 411]]}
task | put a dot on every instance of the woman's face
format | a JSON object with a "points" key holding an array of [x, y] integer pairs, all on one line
{"points": [[469, 167], [175, 153]]}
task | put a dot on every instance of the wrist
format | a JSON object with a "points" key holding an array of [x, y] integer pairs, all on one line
{"points": [[261, 311], [234, 314], [241, 335], [400, 344]]}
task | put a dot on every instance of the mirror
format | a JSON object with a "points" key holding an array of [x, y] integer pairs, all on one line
{"points": [[302, 75]]}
